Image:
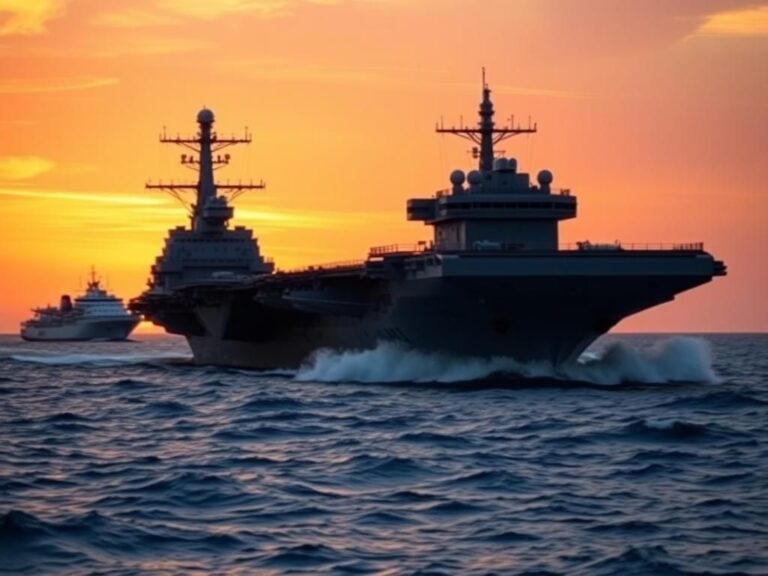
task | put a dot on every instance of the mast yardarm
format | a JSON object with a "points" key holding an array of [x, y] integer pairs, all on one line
{"points": [[486, 135], [209, 208]]}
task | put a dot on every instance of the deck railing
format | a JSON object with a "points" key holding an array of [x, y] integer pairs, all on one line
{"points": [[340, 265], [646, 246], [400, 248], [498, 248], [585, 246]]}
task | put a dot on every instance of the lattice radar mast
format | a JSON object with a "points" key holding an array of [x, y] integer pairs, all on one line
{"points": [[211, 210]]}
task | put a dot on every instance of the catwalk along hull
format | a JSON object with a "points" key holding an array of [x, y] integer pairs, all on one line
{"points": [[463, 306], [101, 329]]}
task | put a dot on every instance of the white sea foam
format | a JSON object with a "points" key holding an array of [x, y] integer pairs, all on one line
{"points": [[675, 359], [393, 363], [660, 423], [54, 359], [679, 359]]}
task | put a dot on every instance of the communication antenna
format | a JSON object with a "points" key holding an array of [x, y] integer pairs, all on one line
{"points": [[486, 135]]}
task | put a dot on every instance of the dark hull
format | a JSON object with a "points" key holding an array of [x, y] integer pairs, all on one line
{"points": [[537, 318]]}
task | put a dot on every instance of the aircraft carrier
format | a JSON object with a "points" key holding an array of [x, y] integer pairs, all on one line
{"points": [[493, 280]]}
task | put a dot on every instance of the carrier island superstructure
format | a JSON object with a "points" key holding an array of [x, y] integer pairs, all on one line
{"points": [[493, 281]]}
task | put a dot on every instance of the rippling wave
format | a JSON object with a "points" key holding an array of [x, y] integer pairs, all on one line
{"points": [[648, 457], [104, 360]]}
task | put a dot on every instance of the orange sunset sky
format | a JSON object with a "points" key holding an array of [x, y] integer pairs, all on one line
{"points": [[653, 112]]}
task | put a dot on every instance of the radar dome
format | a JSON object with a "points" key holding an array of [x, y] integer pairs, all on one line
{"points": [[474, 177], [457, 177], [512, 163], [545, 177], [205, 116]]}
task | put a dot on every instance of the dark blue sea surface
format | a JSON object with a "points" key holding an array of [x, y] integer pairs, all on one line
{"points": [[649, 457]]}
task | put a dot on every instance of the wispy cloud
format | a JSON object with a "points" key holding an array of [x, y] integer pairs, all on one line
{"points": [[315, 219], [744, 22], [89, 197], [273, 218], [28, 16], [164, 209], [279, 219], [42, 85], [23, 167], [19, 169]]}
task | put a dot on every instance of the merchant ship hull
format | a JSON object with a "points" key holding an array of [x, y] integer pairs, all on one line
{"points": [[102, 329]]}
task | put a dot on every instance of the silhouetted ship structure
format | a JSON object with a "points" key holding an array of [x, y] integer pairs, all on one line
{"points": [[492, 282], [95, 315]]}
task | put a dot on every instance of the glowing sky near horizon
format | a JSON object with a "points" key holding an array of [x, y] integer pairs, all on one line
{"points": [[655, 114]]}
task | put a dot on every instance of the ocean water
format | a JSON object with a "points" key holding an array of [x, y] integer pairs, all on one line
{"points": [[649, 457]]}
